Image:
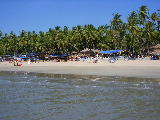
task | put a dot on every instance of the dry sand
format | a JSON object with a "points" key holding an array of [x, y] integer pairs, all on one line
{"points": [[131, 68]]}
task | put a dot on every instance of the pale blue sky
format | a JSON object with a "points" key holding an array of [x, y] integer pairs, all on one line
{"points": [[40, 15]]}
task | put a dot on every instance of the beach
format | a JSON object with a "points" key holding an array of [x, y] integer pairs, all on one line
{"points": [[121, 68]]}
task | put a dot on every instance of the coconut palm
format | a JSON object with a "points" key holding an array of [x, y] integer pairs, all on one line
{"points": [[77, 38], [14, 42], [90, 36], [60, 40], [102, 36], [23, 42], [149, 35], [133, 33], [137, 35], [143, 14], [4, 44], [154, 17], [116, 25]]}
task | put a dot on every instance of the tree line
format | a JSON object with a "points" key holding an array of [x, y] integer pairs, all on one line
{"points": [[137, 35]]}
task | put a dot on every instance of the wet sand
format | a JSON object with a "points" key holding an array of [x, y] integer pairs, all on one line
{"points": [[131, 68]]}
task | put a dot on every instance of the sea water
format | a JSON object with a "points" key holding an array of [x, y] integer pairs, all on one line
{"points": [[33, 96]]}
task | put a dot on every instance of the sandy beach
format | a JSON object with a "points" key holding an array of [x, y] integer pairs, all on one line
{"points": [[131, 68]]}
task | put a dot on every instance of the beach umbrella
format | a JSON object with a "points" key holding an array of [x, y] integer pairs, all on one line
{"points": [[111, 51], [32, 54]]}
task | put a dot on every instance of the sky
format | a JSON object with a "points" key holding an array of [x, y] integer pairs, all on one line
{"points": [[40, 15]]}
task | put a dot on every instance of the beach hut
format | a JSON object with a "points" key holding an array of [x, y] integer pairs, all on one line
{"points": [[155, 51], [60, 57], [90, 52]]}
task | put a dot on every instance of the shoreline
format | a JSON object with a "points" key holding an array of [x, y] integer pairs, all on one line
{"points": [[131, 68]]}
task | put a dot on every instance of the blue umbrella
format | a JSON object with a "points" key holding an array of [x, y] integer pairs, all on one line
{"points": [[32, 54], [111, 51]]}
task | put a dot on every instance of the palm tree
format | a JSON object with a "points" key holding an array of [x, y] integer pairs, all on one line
{"points": [[133, 33], [59, 40], [14, 43], [149, 35], [158, 26], [33, 42], [5, 44], [116, 21], [23, 42], [1, 34], [42, 42], [137, 36], [116, 25], [51, 35], [103, 41], [90, 36], [143, 14], [154, 17], [77, 41], [122, 36]]}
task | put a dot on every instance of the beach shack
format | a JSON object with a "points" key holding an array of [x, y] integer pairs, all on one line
{"points": [[60, 57], [90, 52], [155, 51], [8, 58]]}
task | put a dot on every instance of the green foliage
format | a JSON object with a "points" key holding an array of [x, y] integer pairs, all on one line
{"points": [[137, 35]]}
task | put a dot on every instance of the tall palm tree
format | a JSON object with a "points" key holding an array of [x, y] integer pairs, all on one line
{"points": [[90, 36], [14, 42], [116, 25], [23, 42], [33, 42], [103, 42], [42, 42], [143, 14], [158, 20], [60, 41], [78, 38], [149, 35], [133, 33], [5, 46]]}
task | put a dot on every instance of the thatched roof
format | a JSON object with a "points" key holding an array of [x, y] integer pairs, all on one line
{"points": [[90, 50], [155, 52], [156, 47]]}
